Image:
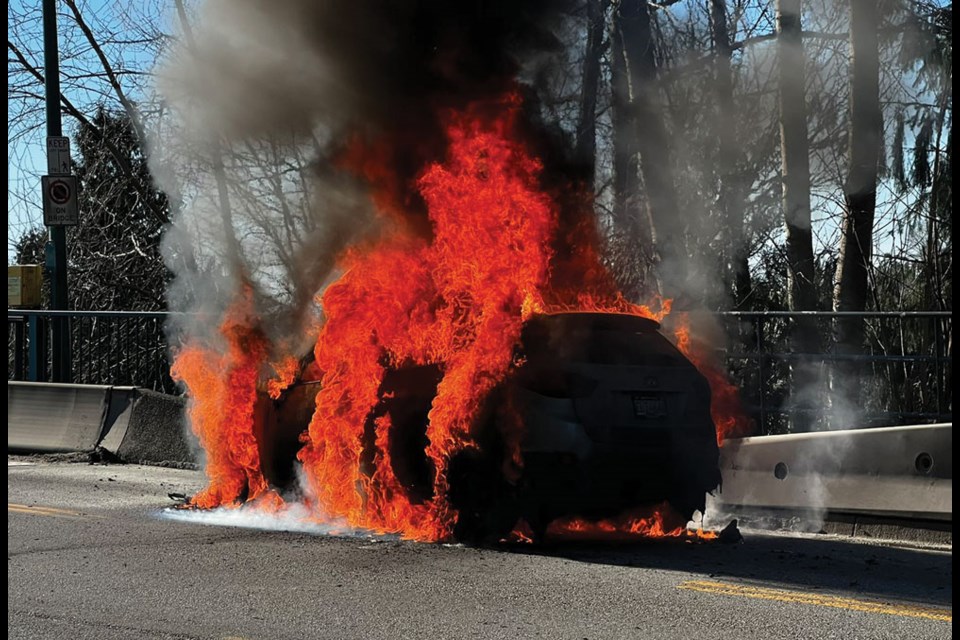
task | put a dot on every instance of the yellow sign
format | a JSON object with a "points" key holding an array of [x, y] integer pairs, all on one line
{"points": [[24, 285]]}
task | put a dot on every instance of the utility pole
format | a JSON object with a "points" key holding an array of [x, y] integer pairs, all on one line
{"points": [[56, 250]]}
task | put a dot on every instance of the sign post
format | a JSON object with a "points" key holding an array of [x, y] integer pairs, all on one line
{"points": [[57, 247]]}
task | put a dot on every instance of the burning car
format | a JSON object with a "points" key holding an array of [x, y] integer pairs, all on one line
{"points": [[610, 416]]}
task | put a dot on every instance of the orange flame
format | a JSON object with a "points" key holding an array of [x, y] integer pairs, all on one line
{"points": [[725, 406], [454, 295], [286, 370], [458, 300], [657, 522], [222, 409]]}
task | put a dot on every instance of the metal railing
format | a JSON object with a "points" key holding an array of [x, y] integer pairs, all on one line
{"points": [[905, 371], [902, 374], [108, 347]]}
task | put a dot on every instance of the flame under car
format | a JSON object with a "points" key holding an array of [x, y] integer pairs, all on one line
{"points": [[611, 416]]}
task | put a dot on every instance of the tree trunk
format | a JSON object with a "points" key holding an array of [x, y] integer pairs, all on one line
{"points": [[795, 177], [586, 151], [631, 230], [731, 187], [632, 18], [938, 252], [944, 185], [624, 136], [860, 194], [940, 195]]}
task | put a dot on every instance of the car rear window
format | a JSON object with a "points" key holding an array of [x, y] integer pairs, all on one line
{"points": [[611, 339]]}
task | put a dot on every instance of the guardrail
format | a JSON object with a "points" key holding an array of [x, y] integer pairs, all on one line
{"points": [[903, 473], [906, 370]]}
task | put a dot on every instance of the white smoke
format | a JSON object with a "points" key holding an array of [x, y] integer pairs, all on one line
{"points": [[253, 104], [294, 516]]}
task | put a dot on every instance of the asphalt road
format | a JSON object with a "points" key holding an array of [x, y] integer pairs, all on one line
{"points": [[90, 556]]}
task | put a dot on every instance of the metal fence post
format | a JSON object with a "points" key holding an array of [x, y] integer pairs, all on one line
{"points": [[761, 383], [938, 368], [37, 350], [18, 351]]}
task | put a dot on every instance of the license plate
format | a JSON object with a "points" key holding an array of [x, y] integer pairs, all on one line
{"points": [[649, 407]]}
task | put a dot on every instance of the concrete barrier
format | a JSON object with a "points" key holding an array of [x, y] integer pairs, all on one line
{"points": [[137, 425], [49, 418], [895, 472], [147, 426]]}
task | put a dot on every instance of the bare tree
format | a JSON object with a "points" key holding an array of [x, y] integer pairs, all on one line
{"points": [[586, 142], [795, 176], [860, 191], [630, 241], [795, 159], [633, 24], [731, 188]]}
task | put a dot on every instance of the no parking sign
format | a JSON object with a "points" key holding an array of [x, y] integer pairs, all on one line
{"points": [[59, 200]]}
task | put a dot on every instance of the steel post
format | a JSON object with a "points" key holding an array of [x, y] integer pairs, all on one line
{"points": [[58, 234]]}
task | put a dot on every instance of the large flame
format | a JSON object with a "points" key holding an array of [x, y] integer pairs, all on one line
{"points": [[455, 296], [457, 300], [224, 402]]}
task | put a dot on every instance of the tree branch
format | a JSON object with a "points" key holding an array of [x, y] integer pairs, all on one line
{"points": [[69, 108], [128, 106]]}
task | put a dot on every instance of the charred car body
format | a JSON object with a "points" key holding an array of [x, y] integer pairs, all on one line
{"points": [[612, 416]]}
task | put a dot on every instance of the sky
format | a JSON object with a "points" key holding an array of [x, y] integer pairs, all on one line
{"points": [[126, 23]]}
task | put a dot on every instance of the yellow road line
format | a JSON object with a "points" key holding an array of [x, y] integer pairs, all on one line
{"points": [[42, 511], [802, 597]]}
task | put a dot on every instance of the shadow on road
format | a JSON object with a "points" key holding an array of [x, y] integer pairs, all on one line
{"points": [[827, 564]]}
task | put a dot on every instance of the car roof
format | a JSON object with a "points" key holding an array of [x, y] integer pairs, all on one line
{"points": [[596, 320]]}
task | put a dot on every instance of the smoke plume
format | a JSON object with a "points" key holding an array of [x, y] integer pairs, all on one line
{"points": [[267, 96]]}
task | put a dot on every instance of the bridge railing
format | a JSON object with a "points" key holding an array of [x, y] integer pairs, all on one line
{"points": [[108, 347], [905, 366], [903, 370]]}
